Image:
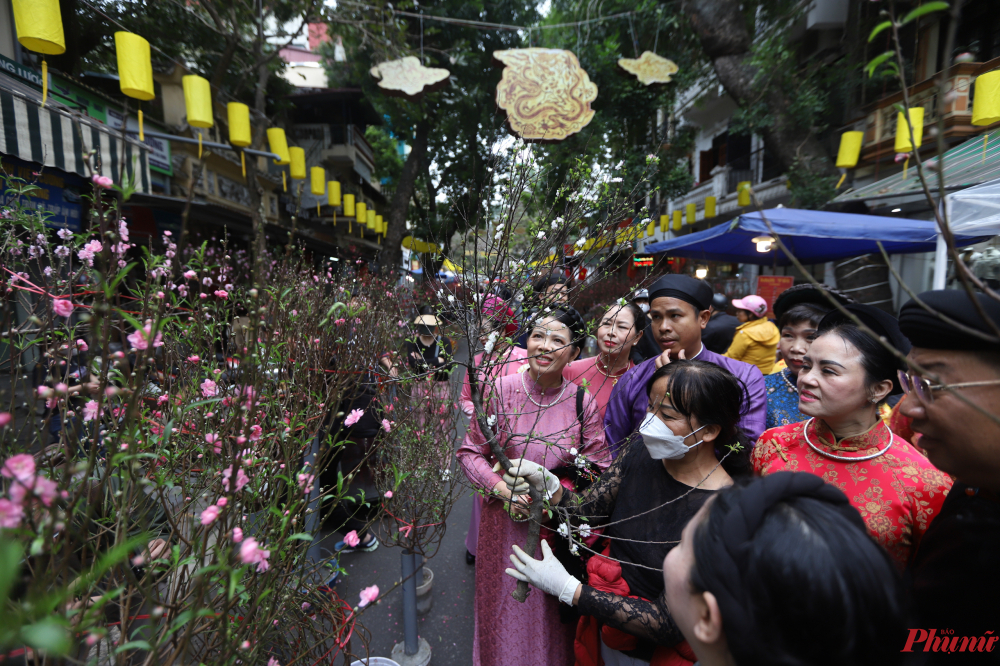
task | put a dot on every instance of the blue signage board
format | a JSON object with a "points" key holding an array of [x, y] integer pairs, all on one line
{"points": [[58, 193]]}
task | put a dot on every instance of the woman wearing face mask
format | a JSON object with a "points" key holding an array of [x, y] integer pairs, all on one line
{"points": [[643, 501], [845, 375], [498, 359], [620, 328], [798, 311], [780, 571], [535, 417]]}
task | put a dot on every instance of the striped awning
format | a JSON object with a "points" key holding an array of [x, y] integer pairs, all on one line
{"points": [[58, 137]]}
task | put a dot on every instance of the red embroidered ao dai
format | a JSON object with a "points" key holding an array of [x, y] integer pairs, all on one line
{"points": [[898, 493]]}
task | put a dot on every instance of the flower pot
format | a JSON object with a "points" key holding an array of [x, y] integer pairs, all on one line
{"points": [[425, 598], [375, 661]]}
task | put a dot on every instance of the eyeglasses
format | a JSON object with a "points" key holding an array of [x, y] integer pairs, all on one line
{"points": [[924, 390]]}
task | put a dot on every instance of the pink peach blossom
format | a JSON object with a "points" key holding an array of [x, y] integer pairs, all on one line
{"points": [[194, 359], [386, 425], [222, 501], [140, 339], [252, 553], [368, 595], [103, 181], [255, 432], [213, 440], [354, 417], [209, 388], [388, 494], [241, 478], [209, 515], [62, 307], [82, 345], [90, 410], [237, 535], [221, 293], [11, 514], [5, 419], [352, 539], [20, 467]]}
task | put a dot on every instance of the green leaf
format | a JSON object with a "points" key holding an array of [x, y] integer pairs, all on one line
{"points": [[301, 536], [134, 645], [876, 61], [879, 28], [48, 635], [923, 10], [10, 565]]}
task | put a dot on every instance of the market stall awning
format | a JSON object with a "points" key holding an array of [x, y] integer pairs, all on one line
{"points": [[965, 165], [814, 237], [57, 137]]}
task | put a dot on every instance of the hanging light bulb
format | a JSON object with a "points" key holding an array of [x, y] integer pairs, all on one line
{"points": [[701, 272], [763, 243]]}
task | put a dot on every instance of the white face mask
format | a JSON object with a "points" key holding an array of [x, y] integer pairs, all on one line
{"points": [[660, 440], [644, 307]]}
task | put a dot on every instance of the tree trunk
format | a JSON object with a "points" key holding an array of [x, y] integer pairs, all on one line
{"points": [[866, 280], [391, 256], [721, 27]]}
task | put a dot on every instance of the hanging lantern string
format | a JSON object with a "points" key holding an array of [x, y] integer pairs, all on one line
{"points": [[243, 163], [45, 80], [841, 181], [986, 139]]}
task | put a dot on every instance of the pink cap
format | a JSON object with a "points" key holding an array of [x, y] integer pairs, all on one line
{"points": [[753, 303]]}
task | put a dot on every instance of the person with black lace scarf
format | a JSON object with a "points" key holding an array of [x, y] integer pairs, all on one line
{"points": [[642, 503]]}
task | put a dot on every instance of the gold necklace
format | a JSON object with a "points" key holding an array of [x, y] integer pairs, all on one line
{"points": [[597, 364]]}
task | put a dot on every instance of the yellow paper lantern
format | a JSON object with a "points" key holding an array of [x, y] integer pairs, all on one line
{"points": [[239, 124], [349, 205], [198, 101], [333, 193], [709, 207], [39, 26], [317, 181], [370, 220], [298, 157], [986, 104], [135, 69], [380, 224], [361, 212], [678, 220], [743, 193], [692, 213], [664, 223], [650, 229], [279, 145], [903, 142], [850, 149]]}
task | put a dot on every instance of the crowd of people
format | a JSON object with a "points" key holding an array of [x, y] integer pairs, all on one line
{"points": [[816, 489]]}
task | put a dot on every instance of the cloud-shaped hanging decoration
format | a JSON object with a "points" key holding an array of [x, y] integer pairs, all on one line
{"points": [[406, 77], [545, 92], [649, 68]]}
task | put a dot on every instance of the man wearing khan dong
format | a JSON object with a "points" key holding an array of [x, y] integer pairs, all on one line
{"points": [[955, 407]]}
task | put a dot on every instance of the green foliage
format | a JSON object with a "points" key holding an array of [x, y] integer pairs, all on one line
{"points": [[778, 66], [808, 192], [388, 162]]}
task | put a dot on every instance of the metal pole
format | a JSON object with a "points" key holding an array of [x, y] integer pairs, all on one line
{"points": [[206, 144], [410, 643]]}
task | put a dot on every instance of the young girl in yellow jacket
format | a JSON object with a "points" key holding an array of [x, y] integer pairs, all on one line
{"points": [[756, 339]]}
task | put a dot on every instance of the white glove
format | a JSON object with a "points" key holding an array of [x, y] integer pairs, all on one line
{"points": [[523, 472], [547, 574]]}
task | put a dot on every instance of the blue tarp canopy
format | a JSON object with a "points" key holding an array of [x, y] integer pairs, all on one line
{"points": [[814, 236]]}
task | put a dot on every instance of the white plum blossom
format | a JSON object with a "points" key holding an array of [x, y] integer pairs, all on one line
{"points": [[541, 235], [584, 531], [564, 529], [491, 420], [491, 342]]}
